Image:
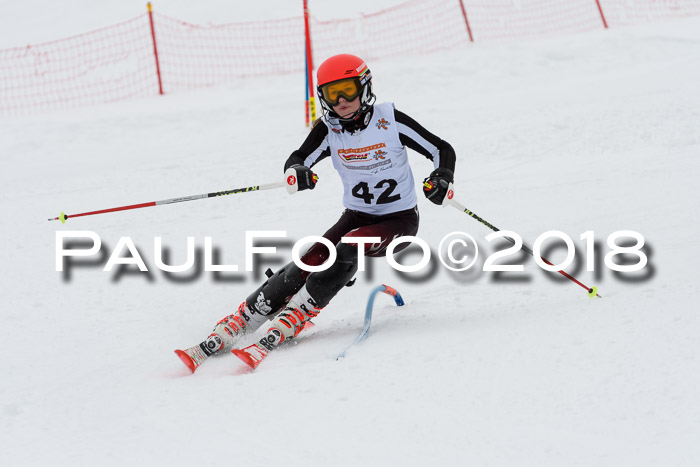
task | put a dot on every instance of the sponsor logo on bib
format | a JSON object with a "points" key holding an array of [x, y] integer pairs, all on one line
{"points": [[359, 154]]}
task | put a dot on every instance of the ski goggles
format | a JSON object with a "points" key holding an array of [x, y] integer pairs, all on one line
{"points": [[348, 88]]}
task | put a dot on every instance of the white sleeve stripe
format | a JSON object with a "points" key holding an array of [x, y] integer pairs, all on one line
{"points": [[313, 157], [411, 133]]}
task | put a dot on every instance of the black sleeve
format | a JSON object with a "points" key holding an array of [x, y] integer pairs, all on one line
{"points": [[312, 150], [414, 136]]}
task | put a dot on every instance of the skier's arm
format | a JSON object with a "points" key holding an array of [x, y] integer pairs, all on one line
{"points": [[414, 136], [312, 150], [297, 168]]}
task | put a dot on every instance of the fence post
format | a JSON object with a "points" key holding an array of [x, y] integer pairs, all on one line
{"points": [[306, 86], [464, 13], [309, 62], [155, 48], [602, 16]]}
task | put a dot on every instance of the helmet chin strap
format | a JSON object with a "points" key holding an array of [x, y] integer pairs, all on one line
{"points": [[365, 111], [354, 116]]}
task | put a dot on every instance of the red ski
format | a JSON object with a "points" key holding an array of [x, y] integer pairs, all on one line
{"points": [[254, 354], [187, 360], [195, 356], [251, 355]]}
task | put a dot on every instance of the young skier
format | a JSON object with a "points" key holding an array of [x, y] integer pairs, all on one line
{"points": [[367, 145]]}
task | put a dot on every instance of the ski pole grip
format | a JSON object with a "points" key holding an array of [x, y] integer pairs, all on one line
{"points": [[291, 182], [448, 197]]}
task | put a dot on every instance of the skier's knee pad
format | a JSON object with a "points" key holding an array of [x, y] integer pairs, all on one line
{"points": [[324, 285], [273, 295]]}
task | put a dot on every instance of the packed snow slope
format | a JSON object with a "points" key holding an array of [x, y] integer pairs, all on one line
{"points": [[597, 132]]}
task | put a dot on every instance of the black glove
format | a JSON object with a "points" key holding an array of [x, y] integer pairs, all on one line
{"points": [[436, 185], [299, 178]]}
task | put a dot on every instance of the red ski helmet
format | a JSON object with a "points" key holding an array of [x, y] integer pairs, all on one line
{"points": [[345, 76]]}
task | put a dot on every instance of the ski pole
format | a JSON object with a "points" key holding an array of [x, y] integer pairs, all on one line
{"points": [[449, 200], [268, 186]]}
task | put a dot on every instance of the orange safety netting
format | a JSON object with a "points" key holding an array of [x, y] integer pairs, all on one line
{"points": [[118, 62]]}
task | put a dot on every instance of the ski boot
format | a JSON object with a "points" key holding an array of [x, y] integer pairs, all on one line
{"points": [[223, 337], [287, 325]]}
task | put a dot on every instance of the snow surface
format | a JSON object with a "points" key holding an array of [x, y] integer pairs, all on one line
{"points": [[596, 132]]}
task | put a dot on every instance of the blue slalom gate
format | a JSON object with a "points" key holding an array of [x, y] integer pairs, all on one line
{"points": [[368, 312]]}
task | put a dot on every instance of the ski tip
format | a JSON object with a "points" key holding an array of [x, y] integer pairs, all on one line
{"points": [[187, 360], [246, 358]]}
